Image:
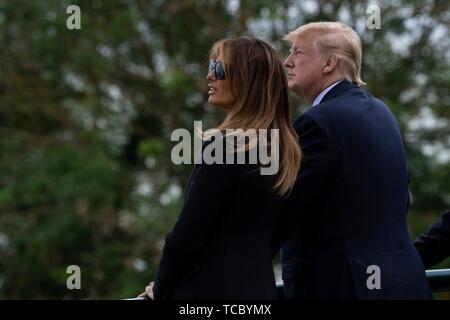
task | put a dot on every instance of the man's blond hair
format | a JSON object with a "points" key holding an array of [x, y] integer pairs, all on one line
{"points": [[338, 39]]}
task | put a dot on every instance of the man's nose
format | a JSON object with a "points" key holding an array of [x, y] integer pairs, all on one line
{"points": [[288, 62]]}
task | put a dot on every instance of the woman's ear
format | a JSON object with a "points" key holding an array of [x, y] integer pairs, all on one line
{"points": [[330, 64]]}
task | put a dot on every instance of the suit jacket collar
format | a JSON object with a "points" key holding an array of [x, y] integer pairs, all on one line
{"points": [[338, 90]]}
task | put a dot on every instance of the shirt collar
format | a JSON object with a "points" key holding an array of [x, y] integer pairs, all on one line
{"points": [[323, 93]]}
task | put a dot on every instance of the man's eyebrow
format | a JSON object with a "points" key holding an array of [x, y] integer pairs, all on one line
{"points": [[300, 47]]}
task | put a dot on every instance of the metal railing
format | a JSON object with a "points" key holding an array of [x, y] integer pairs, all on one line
{"points": [[439, 280]]}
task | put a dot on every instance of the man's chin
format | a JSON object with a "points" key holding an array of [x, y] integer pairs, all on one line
{"points": [[292, 86]]}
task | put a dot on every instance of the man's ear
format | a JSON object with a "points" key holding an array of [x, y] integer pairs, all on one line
{"points": [[330, 64]]}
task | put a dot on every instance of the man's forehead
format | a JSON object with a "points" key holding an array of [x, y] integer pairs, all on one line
{"points": [[304, 40]]}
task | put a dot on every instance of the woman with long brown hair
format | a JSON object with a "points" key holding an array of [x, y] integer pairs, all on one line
{"points": [[220, 246]]}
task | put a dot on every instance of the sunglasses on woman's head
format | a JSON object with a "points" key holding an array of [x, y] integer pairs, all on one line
{"points": [[217, 66]]}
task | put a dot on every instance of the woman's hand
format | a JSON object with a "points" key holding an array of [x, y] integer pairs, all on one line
{"points": [[148, 291]]}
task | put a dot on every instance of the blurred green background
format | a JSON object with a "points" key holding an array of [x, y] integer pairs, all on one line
{"points": [[86, 117]]}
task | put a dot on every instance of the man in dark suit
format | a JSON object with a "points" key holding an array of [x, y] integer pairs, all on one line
{"points": [[434, 245], [349, 205]]}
